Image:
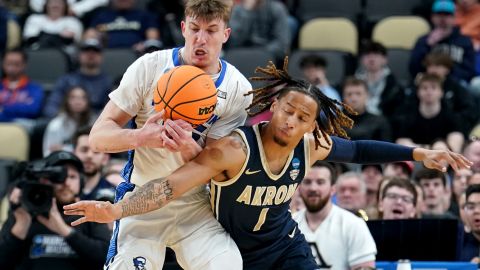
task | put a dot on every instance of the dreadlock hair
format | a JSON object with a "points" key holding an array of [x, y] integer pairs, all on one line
{"points": [[332, 122]]}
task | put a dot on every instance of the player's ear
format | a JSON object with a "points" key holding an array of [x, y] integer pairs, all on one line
{"points": [[226, 34], [182, 26], [274, 105], [313, 126]]}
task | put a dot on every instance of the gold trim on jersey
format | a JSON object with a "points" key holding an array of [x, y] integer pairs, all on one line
{"points": [[306, 147], [263, 158], [240, 173]]}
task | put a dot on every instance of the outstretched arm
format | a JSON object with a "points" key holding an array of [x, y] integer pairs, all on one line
{"points": [[223, 155], [371, 152]]}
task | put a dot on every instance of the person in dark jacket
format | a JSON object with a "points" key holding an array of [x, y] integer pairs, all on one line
{"points": [[40, 242], [445, 37], [384, 91]]}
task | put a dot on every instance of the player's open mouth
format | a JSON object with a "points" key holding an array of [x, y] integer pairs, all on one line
{"points": [[200, 52]]}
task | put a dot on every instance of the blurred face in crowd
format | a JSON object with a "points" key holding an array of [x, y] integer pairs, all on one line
{"points": [[466, 4], [56, 8], [90, 59], [443, 20], [398, 203], [93, 162], [313, 74], [395, 170], [460, 178], [77, 100], [472, 152], [474, 179], [420, 208], [429, 92], [439, 70], [203, 42], [350, 193], [14, 66], [316, 189], [372, 177], [472, 212], [434, 191], [68, 192], [356, 96], [373, 61]]}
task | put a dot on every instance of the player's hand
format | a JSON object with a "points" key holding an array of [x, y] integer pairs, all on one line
{"points": [[440, 159], [150, 134], [93, 211]]}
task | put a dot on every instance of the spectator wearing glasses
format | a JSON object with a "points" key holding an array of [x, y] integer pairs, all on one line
{"points": [[470, 242], [398, 200]]}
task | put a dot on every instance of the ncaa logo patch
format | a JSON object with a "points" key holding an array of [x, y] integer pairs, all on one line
{"points": [[295, 164], [139, 263]]}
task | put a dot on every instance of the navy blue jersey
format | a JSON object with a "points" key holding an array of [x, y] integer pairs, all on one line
{"points": [[254, 206]]}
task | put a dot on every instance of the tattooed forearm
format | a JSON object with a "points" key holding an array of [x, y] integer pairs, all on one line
{"points": [[149, 197]]}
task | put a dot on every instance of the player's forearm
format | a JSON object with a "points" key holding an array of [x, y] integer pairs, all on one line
{"points": [[148, 197], [107, 136]]}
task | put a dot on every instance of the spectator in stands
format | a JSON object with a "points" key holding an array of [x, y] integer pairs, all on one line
{"points": [[398, 199], [456, 97], [53, 28], [467, 17], [435, 189], [339, 239], [445, 37], [470, 242], [89, 75], [372, 174], [262, 24], [402, 169], [368, 126], [77, 8], [20, 98], [474, 179], [459, 185], [17, 7], [314, 68], [10, 35], [430, 120], [420, 200], [93, 162], [75, 113], [49, 242], [170, 15], [384, 91], [124, 26], [351, 193], [472, 152]]}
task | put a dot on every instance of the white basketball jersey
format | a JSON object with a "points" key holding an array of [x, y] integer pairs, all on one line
{"points": [[135, 96], [342, 240]]}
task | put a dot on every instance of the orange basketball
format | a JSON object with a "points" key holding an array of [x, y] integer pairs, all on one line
{"points": [[186, 92]]}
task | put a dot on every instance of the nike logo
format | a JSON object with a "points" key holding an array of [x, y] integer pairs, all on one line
{"points": [[248, 172], [293, 233]]}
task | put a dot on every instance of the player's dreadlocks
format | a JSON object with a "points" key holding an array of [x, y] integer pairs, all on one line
{"points": [[332, 122]]}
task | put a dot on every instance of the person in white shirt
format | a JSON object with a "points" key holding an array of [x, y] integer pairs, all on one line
{"points": [[339, 240]]}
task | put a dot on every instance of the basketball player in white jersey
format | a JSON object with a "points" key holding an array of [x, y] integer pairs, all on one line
{"points": [[186, 225]]}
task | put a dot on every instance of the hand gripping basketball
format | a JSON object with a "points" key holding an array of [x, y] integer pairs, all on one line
{"points": [[186, 92]]}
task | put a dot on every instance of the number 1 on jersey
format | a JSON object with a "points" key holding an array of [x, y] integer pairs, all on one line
{"points": [[261, 219]]}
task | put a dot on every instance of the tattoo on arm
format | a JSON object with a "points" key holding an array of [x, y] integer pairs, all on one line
{"points": [[239, 142], [151, 196]]}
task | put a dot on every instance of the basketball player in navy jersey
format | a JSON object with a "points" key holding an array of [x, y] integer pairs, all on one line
{"points": [[255, 171]]}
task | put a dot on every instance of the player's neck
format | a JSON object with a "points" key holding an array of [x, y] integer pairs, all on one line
{"points": [[315, 219]]}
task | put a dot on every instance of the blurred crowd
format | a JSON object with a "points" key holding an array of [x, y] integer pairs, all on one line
{"points": [[436, 105]]}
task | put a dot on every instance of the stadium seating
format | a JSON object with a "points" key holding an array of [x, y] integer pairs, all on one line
{"points": [[246, 60], [376, 10], [309, 9], [46, 66], [400, 32], [116, 61], [14, 142], [337, 34]]}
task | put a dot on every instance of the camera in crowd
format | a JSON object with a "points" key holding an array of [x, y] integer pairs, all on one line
{"points": [[37, 196]]}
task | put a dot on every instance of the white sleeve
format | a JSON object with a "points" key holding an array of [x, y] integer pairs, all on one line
{"points": [[81, 7], [236, 114], [133, 87], [32, 26], [53, 135], [361, 245], [76, 27]]}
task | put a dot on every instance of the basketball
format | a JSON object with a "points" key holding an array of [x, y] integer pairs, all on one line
{"points": [[186, 92]]}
